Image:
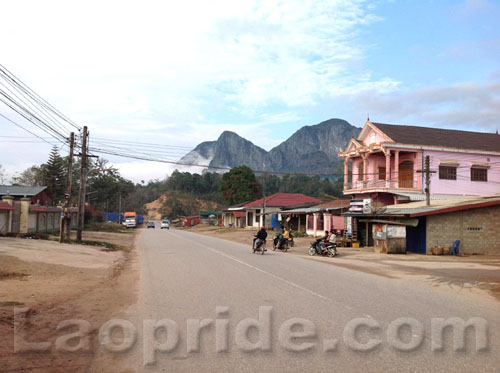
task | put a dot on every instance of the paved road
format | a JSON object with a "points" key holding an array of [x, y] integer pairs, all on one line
{"points": [[189, 276]]}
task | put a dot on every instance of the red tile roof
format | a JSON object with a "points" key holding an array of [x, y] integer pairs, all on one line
{"points": [[335, 204], [5, 206], [284, 200]]}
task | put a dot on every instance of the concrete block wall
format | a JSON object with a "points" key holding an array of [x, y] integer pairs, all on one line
{"points": [[4, 222], [477, 229]]}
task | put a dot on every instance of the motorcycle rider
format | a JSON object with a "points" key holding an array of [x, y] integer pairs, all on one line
{"points": [[285, 236], [261, 237], [322, 242], [332, 238]]}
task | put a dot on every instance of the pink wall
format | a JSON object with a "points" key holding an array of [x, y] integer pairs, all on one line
{"points": [[378, 160], [368, 138], [463, 185]]}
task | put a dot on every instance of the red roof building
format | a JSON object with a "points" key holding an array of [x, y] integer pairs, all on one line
{"points": [[275, 204], [284, 200]]}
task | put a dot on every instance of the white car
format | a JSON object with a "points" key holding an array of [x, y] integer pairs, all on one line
{"points": [[165, 224], [130, 223]]}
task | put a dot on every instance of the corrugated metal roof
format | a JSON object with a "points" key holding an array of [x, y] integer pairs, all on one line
{"points": [[15, 190], [421, 196], [335, 204], [306, 210], [283, 200], [421, 207]]}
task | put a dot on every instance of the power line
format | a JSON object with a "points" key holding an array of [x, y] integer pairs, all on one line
{"points": [[141, 143], [41, 111], [25, 129], [4, 71], [26, 114]]}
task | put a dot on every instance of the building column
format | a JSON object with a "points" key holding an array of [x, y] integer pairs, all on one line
{"points": [[365, 168], [327, 221], [388, 170], [346, 173], [315, 223], [396, 168], [9, 200], [25, 214]]}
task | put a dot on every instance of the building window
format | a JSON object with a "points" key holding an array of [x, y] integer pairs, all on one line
{"points": [[257, 217], [479, 174], [360, 171], [474, 229], [447, 173], [381, 173]]}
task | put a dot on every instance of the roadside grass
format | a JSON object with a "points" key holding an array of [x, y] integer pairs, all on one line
{"points": [[12, 275], [11, 303], [108, 227]]}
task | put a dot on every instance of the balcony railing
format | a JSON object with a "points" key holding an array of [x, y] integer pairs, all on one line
{"points": [[372, 184]]}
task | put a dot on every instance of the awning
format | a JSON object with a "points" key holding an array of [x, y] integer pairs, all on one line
{"points": [[409, 222], [422, 197], [449, 162]]}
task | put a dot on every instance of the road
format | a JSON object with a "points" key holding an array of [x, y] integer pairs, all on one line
{"points": [[185, 276]]}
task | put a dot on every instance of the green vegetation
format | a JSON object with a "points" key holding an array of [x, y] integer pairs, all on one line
{"points": [[186, 193], [11, 303], [240, 185], [107, 227]]}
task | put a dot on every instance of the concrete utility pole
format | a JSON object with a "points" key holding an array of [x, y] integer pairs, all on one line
{"points": [[264, 204], [83, 185], [427, 173], [66, 220]]}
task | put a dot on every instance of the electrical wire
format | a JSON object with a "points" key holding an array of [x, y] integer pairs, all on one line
{"points": [[4, 71], [25, 129]]}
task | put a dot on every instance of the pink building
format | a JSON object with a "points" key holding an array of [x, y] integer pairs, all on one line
{"points": [[385, 158]]}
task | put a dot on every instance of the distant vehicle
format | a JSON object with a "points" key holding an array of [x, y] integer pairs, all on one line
{"points": [[130, 223], [165, 224], [151, 224]]}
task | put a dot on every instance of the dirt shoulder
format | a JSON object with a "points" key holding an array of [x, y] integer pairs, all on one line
{"points": [[57, 282], [473, 274]]}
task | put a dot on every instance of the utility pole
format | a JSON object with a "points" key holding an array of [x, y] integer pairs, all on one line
{"points": [[427, 174], [264, 204], [83, 185], [66, 219]]}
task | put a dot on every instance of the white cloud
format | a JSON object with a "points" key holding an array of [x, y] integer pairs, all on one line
{"points": [[182, 72], [467, 106]]}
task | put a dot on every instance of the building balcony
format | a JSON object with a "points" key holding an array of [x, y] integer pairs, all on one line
{"points": [[359, 186]]}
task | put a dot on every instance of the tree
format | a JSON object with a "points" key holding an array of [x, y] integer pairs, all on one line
{"points": [[3, 176], [239, 185], [32, 176], [55, 175]]}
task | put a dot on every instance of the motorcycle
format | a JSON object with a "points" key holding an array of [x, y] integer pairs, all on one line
{"points": [[260, 248], [317, 248], [291, 242], [283, 247]]}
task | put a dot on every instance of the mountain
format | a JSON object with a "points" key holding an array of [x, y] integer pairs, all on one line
{"points": [[312, 149]]}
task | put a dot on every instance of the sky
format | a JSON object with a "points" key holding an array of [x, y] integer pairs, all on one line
{"points": [[178, 73]]}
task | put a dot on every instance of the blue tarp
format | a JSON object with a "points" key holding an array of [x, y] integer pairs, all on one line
{"points": [[275, 223], [115, 217]]}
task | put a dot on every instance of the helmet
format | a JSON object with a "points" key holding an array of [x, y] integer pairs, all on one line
{"points": [[262, 227]]}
